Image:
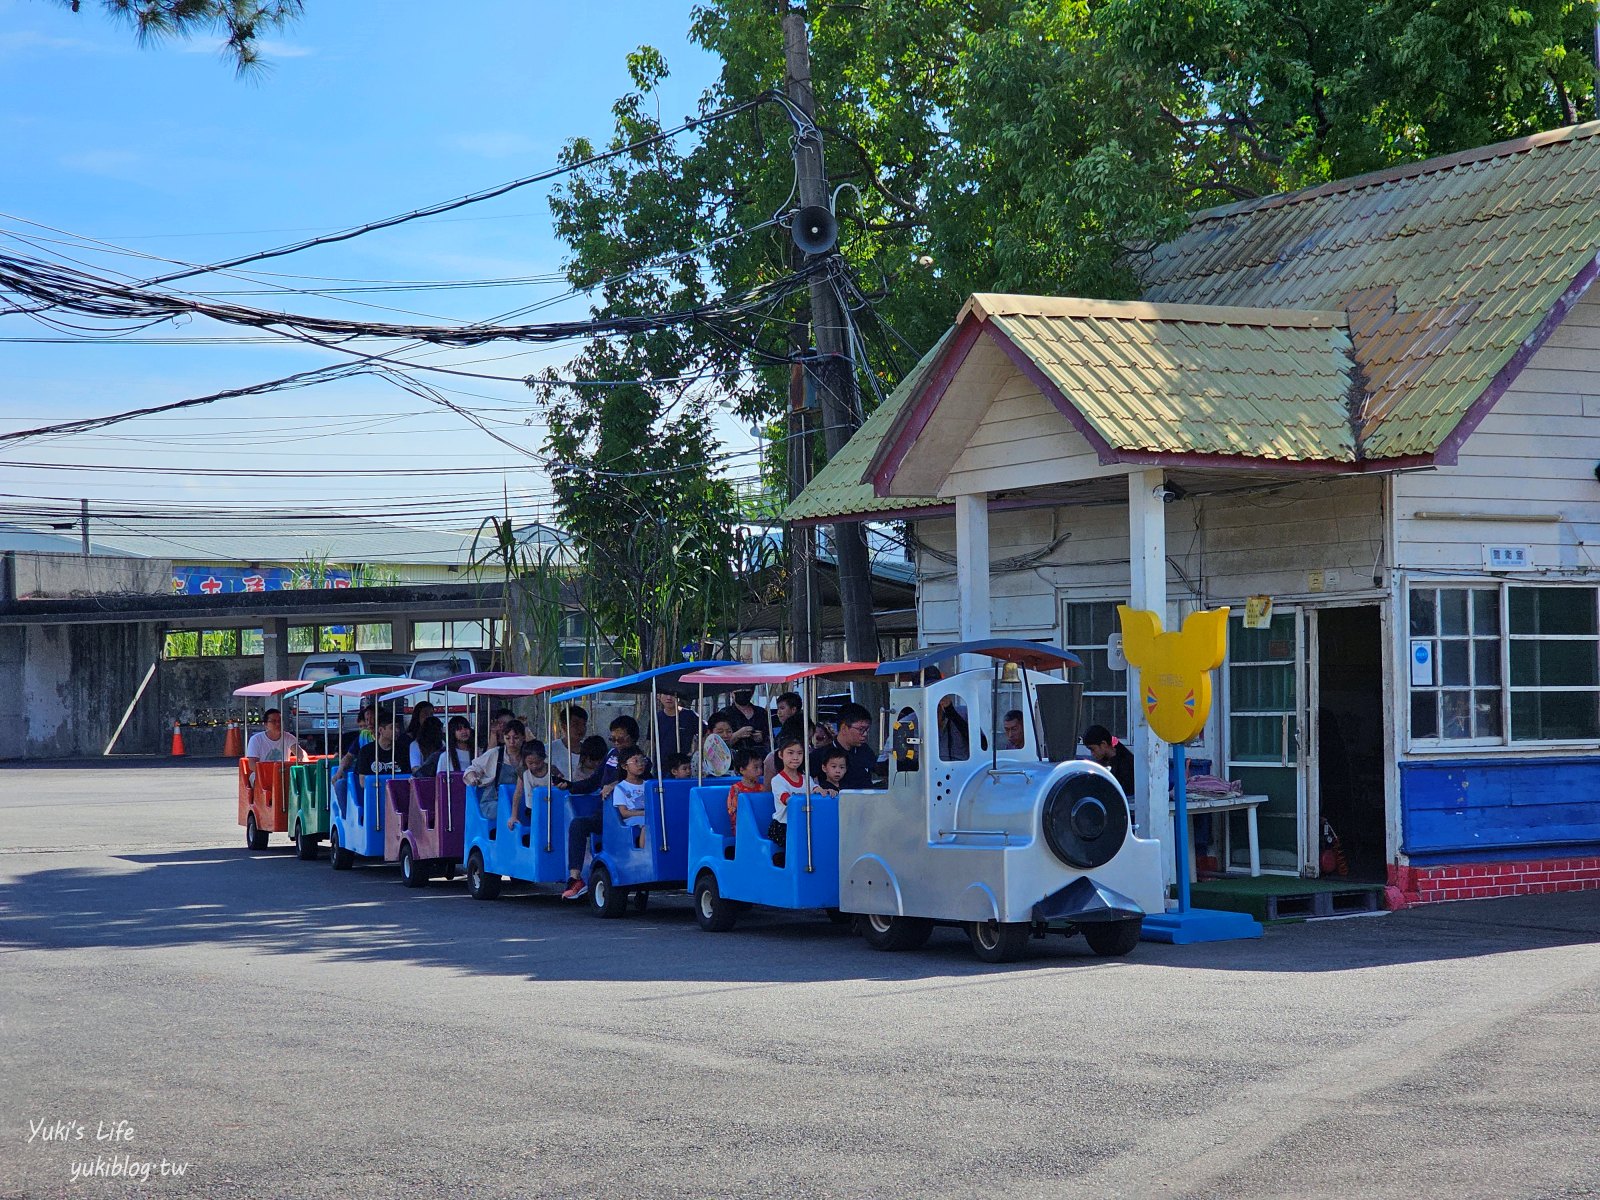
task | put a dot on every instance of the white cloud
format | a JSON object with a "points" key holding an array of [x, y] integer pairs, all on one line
{"points": [[115, 163], [266, 47], [22, 41]]}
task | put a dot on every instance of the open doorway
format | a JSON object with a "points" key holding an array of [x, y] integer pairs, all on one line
{"points": [[1349, 744]]}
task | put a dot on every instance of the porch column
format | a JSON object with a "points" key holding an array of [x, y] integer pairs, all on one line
{"points": [[1147, 565], [972, 564], [275, 648]]}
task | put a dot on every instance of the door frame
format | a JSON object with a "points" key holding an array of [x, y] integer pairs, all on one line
{"points": [[1306, 842], [1311, 865]]}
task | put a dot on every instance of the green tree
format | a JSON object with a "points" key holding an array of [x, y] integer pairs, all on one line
{"points": [[242, 22]]}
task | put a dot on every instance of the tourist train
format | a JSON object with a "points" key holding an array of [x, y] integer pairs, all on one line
{"points": [[977, 813]]}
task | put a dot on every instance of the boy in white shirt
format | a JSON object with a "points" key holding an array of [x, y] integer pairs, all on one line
{"points": [[272, 744]]}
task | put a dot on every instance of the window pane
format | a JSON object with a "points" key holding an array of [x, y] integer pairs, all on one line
{"points": [[302, 639], [1110, 711], [1486, 662], [1424, 714], [1097, 674], [375, 637], [1424, 622], [427, 635], [1453, 664], [1452, 611], [331, 639], [181, 643], [1455, 714], [1543, 716], [1256, 739], [251, 642], [467, 635], [1260, 689], [1553, 610], [1487, 714], [1486, 612], [1552, 664], [219, 643]]}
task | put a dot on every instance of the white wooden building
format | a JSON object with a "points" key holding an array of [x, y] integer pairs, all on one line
{"points": [[1376, 402]]}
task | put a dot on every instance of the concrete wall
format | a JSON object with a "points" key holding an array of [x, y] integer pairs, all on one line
{"points": [[53, 576], [66, 688]]}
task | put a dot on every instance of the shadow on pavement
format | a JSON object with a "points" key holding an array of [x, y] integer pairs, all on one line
{"points": [[273, 903]]}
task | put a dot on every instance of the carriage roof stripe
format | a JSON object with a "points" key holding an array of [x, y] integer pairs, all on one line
{"points": [[321, 685], [756, 674], [526, 685], [1036, 656], [453, 683], [645, 681], [372, 685], [272, 687]]}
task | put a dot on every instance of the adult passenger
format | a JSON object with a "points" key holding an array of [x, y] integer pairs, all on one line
{"points": [[382, 755], [272, 744], [569, 727], [1112, 755], [677, 727], [861, 760], [749, 722]]}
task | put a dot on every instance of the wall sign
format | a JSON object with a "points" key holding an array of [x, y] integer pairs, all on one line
{"points": [[1421, 663], [1507, 558]]}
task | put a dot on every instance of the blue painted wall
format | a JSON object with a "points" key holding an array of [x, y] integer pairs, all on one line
{"points": [[1481, 808]]}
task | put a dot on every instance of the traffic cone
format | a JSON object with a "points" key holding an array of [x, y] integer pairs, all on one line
{"points": [[233, 744], [177, 741]]}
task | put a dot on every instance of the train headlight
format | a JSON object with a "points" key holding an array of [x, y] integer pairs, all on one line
{"points": [[1085, 820]]}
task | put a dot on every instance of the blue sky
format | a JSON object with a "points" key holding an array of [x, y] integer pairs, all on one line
{"points": [[367, 108]]}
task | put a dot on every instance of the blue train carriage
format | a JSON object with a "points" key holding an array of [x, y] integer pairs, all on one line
{"points": [[628, 862], [733, 865], [357, 807], [1002, 832], [536, 850]]}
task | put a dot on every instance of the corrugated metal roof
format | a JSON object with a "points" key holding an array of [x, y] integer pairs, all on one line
{"points": [[1443, 270], [839, 488], [1445, 267], [1191, 379]]}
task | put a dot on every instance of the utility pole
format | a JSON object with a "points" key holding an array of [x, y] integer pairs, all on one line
{"points": [[83, 509], [800, 540], [835, 374]]}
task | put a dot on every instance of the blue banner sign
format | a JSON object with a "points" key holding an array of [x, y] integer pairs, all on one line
{"points": [[225, 581]]}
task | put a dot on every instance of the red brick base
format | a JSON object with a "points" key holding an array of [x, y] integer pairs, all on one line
{"points": [[1481, 881]]}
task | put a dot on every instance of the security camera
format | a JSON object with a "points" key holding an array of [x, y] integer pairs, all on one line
{"points": [[1167, 493]]}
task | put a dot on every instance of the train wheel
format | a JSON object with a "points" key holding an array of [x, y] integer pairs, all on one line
{"points": [[341, 858], [999, 941], [895, 933], [480, 884], [1113, 939], [606, 898], [411, 872], [305, 848], [255, 838], [714, 914]]}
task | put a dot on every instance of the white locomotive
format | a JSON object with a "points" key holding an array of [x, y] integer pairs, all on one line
{"points": [[1011, 841]]}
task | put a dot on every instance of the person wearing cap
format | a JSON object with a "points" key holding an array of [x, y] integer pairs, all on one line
{"points": [[1112, 755]]}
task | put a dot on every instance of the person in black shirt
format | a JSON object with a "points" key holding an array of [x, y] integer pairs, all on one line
{"points": [[677, 728], [1112, 755], [383, 755], [861, 760]]}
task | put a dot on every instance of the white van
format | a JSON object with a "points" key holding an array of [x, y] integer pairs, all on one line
{"points": [[432, 665], [316, 712]]}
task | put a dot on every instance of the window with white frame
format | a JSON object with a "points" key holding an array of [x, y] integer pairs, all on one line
{"points": [[1089, 626], [1497, 663]]}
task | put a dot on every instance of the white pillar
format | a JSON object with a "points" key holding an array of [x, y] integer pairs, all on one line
{"points": [[972, 565], [1147, 565]]}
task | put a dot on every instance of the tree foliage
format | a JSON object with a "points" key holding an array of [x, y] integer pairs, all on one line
{"points": [[242, 23]]}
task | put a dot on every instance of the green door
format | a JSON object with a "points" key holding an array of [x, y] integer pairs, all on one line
{"points": [[1263, 736]]}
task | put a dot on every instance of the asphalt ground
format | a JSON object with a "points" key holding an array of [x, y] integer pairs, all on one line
{"points": [[282, 1030]]}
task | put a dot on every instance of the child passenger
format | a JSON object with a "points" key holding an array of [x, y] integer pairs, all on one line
{"points": [[627, 794], [788, 782], [747, 766], [679, 766], [830, 768], [535, 774]]}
